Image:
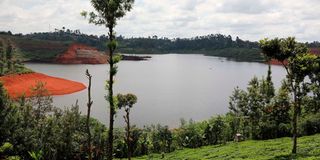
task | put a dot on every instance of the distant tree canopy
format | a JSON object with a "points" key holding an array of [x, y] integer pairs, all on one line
{"points": [[163, 44], [213, 45], [211, 41]]}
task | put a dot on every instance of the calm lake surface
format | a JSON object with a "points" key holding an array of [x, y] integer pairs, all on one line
{"points": [[168, 87]]}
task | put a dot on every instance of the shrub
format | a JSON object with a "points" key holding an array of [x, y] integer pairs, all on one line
{"points": [[310, 124]]}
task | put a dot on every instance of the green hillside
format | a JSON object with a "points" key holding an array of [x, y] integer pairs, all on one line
{"points": [[30, 49], [45, 46], [276, 149]]}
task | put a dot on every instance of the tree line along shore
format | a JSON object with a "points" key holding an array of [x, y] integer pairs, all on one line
{"points": [[46, 46]]}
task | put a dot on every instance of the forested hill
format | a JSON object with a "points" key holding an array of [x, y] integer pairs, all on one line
{"points": [[211, 45]]}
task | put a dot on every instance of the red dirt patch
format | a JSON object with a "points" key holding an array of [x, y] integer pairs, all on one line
{"points": [[276, 62], [82, 54], [16, 85], [315, 51]]}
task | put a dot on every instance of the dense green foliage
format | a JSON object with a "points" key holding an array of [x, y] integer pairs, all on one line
{"points": [[33, 126], [258, 116], [9, 63]]}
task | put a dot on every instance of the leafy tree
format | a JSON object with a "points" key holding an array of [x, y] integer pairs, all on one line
{"points": [[238, 106], [120, 147], [99, 138], [190, 135], [255, 105], [40, 100], [276, 118], [135, 134], [166, 137], [310, 124], [9, 56], [144, 141], [299, 66], [267, 88], [258, 112], [2, 57], [314, 86], [127, 101], [213, 133], [160, 139], [280, 105], [238, 102], [5, 112], [70, 135], [107, 14]]}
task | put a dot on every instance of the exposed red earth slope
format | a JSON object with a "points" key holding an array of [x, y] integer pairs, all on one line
{"points": [[315, 51], [16, 85], [82, 54], [276, 62]]}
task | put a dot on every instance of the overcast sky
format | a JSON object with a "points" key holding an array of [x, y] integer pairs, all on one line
{"points": [[248, 19]]}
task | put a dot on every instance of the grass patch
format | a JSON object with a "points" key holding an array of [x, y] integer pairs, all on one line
{"points": [[276, 149]]}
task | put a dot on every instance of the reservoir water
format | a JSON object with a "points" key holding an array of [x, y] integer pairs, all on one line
{"points": [[169, 87]]}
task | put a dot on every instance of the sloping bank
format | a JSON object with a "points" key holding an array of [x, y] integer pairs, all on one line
{"points": [[16, 85]]}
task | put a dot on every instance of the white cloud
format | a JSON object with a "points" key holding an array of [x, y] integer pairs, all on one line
{"points": [[246, 6], [248, 19]]}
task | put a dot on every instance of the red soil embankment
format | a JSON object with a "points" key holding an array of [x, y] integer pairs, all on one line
{"points": [[315, 51], [17, 85], [82, 54], [276, 62]]}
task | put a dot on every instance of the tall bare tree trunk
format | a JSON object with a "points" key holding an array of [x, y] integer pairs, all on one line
{"points": [[89, 104], [127, 119], [110, 96], [294, 131], [296, 107], [295, 122]]}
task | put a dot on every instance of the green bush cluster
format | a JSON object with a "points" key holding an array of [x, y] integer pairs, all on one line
{"points": [[9, 63]]}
